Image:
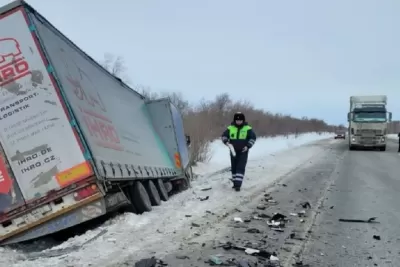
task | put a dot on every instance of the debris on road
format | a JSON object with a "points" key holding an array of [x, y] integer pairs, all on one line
{"points": [[370, 220], [253, 231], [203, 198], [261, 207], [306, 205], [206, 189], [238, 219], [195, 225], [278, 217], [249, 251], [300, 264], [376, 237], [149, 262], [182, 257], [264, 216], [214, 260], [245, 263]]}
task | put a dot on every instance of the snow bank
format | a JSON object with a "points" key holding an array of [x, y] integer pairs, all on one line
{"points": [[392, 136], [129, 237], [263, 147]]}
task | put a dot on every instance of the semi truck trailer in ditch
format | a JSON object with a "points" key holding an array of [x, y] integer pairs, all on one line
{"points": [[368, 122], [76, 142]]}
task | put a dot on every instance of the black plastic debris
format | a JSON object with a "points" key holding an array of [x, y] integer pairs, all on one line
{"points": [[370, 220], [278, 217], [376, 237], [162, 263], [206, 189], [203, 198], [306, 205], [253, 231], [263, 215], [182, 257], [300, 264], [149, 262], [261, 207], [227, 246]]}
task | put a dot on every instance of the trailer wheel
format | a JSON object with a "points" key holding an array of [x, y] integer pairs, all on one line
{"points": [[153, 193], [140, 198], [162, 191]]}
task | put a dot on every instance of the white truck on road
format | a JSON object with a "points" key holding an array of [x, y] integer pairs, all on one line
{"points": [[76, 142], [368, 122]]}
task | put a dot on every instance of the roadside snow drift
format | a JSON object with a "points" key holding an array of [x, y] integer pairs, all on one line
{"points": [[264, 147], [129, 237], [392, 137]]}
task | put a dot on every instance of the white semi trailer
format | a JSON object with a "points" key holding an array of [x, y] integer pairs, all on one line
{"points": [[76, 142], [368, 122]]}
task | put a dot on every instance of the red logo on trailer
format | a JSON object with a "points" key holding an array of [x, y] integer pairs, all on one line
{"points": [[13, 65], [5, 179], [9, 47]]}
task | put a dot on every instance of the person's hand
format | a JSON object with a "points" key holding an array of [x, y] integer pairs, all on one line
{"points": [[245, 149]]}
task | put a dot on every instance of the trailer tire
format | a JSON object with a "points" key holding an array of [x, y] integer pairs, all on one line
{"points": [[140, 198], [153, 193], [162, 191]]}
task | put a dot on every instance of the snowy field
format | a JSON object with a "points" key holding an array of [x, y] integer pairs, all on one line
{"points": [[129, 237]]}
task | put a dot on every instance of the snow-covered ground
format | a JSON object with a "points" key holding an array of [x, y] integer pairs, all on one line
{"points": [[167, 227], [392, 137], [265, 146]]}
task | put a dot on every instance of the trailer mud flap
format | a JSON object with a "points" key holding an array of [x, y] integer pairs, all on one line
{"points": [[82, 214], [113, 201]]}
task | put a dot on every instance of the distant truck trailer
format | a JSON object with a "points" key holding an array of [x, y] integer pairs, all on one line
{"points": [[368, 122], [75, 141]]}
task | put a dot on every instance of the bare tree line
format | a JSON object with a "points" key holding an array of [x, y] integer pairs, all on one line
{"points": [[205, 121]]}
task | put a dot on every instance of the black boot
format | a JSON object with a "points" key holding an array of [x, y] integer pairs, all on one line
{"points": [[237, 189]]}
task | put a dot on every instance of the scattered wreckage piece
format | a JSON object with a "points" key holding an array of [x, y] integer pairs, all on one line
{"points": [[370, 220], [305, 205], [376, 237], [249, 251], [149, 262]]}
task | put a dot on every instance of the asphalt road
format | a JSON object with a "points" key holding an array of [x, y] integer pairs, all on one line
{"points": [[367, 185], [305, 184], [337, 183]]}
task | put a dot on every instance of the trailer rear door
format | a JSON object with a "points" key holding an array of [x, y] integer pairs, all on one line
{"points": [[38, 140]]}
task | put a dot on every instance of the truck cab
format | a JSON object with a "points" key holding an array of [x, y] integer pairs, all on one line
{"points": [[368, 121]]}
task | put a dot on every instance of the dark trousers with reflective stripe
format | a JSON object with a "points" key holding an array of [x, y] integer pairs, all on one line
{"points": [[238, 168]]}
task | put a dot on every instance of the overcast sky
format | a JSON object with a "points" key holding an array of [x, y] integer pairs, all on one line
{"points": [[299, 57]]}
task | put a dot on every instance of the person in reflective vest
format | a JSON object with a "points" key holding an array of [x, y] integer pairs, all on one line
{"points": [[399, 143], [242, 137]]}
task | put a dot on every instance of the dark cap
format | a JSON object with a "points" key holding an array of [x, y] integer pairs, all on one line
{"points": [[239, 116]]}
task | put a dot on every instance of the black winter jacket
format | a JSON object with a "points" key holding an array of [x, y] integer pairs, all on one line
{"points": [[233, 138]]}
